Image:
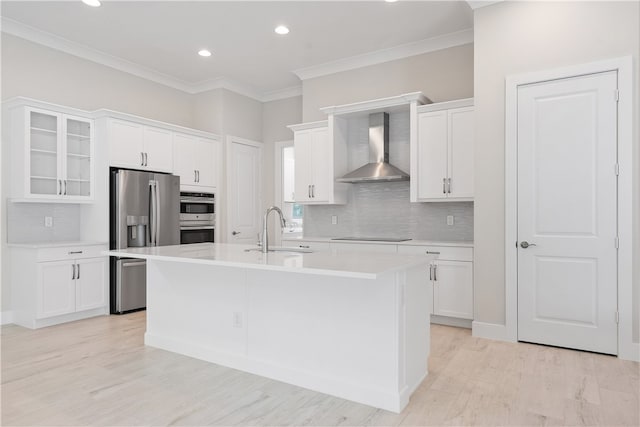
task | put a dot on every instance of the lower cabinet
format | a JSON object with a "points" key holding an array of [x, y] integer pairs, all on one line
{"points": [[56, 285], [453, 289]]}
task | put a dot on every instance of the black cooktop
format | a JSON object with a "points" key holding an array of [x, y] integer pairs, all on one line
{"points": [[374, 239]]}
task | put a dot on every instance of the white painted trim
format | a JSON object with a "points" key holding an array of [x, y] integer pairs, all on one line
{"points": [[6, 317], [457, 103], [275, 95], [308, 125], [477, 4], [35, 35], [451, 321], [627, 349], [385, 55], [392, 103], [278, 177], [491, 331]]}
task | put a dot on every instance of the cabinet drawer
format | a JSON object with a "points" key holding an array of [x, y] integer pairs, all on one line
{"points": [[452, 253], [70, 252], [314, 246]]}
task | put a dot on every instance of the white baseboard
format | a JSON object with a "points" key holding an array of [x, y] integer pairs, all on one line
{"points": [[491, 331], [6, 317], [451, 321]]}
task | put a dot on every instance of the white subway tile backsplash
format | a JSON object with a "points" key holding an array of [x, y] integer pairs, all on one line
{"points": [[25, 222]]}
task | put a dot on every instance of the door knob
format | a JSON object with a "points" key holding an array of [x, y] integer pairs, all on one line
{"points": [[234, 233], [525, 244]]}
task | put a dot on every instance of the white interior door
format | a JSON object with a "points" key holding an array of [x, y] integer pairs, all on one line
{"points": [[244, 172], [567, 185]]}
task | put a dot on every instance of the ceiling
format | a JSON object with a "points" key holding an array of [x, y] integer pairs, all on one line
{"points": [[160, 39]]}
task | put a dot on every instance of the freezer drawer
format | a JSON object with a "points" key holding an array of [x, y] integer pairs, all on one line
{"points": [[131, 284]]}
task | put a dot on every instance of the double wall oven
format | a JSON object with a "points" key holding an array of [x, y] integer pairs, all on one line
{"points": [[197, 217]]}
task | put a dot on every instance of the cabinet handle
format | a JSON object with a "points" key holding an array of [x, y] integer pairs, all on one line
{"points": [[146, 159], [444, 185], [430, 271], [309, 191], [313, 191], [60, 186], [195, 176], [449, 185], [78, 274], [73, 272], [141, 158], [75, 252], [435, 273], [65, 187], [198, 172]]}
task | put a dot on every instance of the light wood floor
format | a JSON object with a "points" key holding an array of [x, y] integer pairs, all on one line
{"points": [[98, 372]]}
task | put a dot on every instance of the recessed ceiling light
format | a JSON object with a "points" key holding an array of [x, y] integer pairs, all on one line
{"points": [[391, 1], [282, 30], [92, 3], [204, 52]]}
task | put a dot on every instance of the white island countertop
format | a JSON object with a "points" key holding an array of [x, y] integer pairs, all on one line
{"points": [[354, 265]]}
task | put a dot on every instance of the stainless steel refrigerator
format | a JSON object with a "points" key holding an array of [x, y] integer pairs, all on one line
{"points": [[144, 211]]}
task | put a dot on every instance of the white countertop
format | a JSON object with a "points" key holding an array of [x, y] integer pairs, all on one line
{"points": [[356, 265], [463, 244], [38, 245]]}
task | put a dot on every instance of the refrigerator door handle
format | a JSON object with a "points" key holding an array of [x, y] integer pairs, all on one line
{"points": [[158, 213], [153, 212]]}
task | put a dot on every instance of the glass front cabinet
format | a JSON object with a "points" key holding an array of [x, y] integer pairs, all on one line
{"points": [[52, 155]]}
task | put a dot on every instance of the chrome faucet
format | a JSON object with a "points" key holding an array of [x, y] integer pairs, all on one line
{"points": [[265, 237]]}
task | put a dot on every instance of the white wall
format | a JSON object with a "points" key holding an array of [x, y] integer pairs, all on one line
{"points": [[516, 37], [441, 75], [276, 115]]}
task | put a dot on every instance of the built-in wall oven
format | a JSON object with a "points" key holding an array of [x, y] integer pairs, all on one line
{"points": [[197, 217]]}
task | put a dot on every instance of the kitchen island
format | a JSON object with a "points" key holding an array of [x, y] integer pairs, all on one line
{"points": [[352, 325]]}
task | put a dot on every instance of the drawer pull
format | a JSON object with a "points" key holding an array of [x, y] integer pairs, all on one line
{"points": [[305, 246], [75, 252], [432, 253]]}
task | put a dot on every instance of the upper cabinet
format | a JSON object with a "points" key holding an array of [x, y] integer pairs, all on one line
{"points": [[196, 161], [52, 154], [442, 166], [319, 160], [138, 146]]}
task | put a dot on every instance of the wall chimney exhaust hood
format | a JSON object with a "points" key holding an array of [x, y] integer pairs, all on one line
{"points": [[378, 169]]}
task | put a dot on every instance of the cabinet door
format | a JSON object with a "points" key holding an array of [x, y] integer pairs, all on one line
{"points": [[185, 158], [91, 283], [432, 154], [56, 289], [453, 289], [304, 164], [207, 162], [158, 148], [78, 157], [321, 159], [461, 152], [44, 175], [125, 144]]}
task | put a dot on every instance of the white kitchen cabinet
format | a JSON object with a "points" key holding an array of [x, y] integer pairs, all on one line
{"points": [[444, 151], [56, 284], [52, 153], [318, 162], [451, 276], [138, 146], [196, 161]]}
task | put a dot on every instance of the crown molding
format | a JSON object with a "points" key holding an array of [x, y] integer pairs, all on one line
{"points": [[477, 4], [53, 41], [385, 55], [288, 92]]}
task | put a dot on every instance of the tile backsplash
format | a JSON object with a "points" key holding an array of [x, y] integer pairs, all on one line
{"points": [[383, 209], [25, 222]]}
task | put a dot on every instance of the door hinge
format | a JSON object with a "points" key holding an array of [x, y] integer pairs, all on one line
{"points": [[617, 95], [617, 242], [617, 169], [617, 316]]}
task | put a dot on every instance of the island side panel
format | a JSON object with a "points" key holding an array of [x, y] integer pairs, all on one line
{"points": [[197, 310], [330, 334]]}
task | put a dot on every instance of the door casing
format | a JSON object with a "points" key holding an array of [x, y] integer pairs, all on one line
{"points": [[627, 349]]}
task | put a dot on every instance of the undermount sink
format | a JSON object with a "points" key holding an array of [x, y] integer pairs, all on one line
{"points": [[282, 249]]}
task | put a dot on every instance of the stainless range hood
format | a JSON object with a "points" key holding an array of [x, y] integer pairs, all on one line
{"points": [[378, 169]]}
